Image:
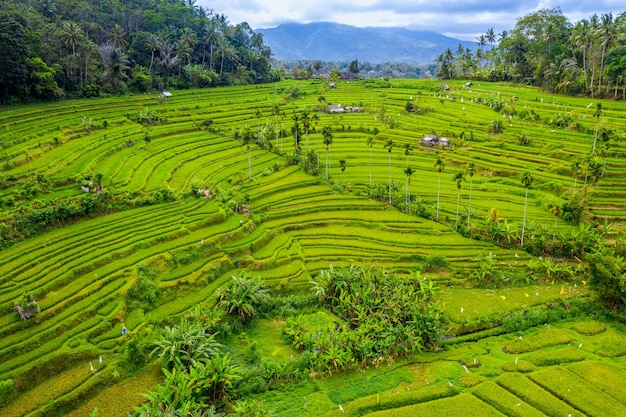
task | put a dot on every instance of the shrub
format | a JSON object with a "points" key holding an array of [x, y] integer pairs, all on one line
{"points": [[6, 386], [434, 263]]}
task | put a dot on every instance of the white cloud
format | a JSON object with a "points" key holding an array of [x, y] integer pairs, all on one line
{"points": [[461, 18]]}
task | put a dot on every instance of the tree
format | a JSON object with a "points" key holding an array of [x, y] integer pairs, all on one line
{"points": [[407, 150], [243, 296], [608, 280], [597, 114], [295, 130], [354, 66], [408, 171], [458, 178], [470, 170], [327, 133], [527, 180], [440, 165], [342, 166], [13, 69], [389, 146], [370, 143], [575, 167]]}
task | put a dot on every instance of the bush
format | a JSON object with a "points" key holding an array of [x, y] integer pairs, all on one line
{"points": [[435, 263], [6, 386]]}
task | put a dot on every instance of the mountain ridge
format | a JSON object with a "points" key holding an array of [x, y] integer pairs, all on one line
{"points": [[328, 41]]}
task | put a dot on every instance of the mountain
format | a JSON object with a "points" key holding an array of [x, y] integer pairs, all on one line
{"points": [[329, 42]]}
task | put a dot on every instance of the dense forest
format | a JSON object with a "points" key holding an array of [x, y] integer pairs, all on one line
{"points": [[545, 49], [81, 48]]}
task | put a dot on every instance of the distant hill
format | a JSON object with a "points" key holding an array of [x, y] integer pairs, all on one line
{"points": [[337, 42]]}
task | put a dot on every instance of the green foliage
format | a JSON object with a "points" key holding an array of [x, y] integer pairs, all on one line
{"points": [[434, 263], [608, 280], [144, 291], [243, 296], [6, 386], [385, 315]]}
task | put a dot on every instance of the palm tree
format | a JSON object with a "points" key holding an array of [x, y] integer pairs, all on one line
{"points": [[370, 143], [118, 37], [575, 167], [152, 44], [440, 165], [597, 115], [327, 133], [72, 34], [295, 129], [459, 177], [306, 121], [342, 165], [608, 35], [527, 180], [407, 150], [389, 145], [471, 170], [226, 50], [408, 171]]}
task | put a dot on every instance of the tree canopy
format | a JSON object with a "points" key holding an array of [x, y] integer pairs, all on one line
{"points": [[546, 49], [82, 48]]}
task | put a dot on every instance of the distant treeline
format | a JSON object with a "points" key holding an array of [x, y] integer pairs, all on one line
{"points": [[82, 48], [545, 49], [304, 69]]}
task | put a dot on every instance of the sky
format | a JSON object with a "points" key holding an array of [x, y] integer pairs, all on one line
{"points": [[461, 19]]}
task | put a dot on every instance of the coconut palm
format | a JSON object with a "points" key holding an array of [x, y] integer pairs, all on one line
{"points": [[342, 165], [527, 180], [470, 170], [458, 178], [575, 167], [305, 117], [408, 172], [389, 146], [295, 130], [327, 133], [597, 115], [407, 150], [370, 143], [440, 165], [152, 44]]}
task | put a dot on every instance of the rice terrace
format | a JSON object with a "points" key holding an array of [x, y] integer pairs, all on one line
{"points": [[245, 249]]}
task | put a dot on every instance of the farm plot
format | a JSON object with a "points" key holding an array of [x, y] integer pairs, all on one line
{"points": [[295, 224]]}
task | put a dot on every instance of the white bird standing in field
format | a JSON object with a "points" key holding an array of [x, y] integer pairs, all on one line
{"points": [[341, 408], [91, 366], [100, 360]]}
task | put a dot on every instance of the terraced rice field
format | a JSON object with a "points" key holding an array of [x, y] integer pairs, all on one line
{"points": [[297, 223]]}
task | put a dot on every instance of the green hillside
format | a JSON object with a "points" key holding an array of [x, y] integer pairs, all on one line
{"points": [[184, 193]]}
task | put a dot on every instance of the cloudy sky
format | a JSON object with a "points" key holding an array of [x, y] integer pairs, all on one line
{"points": [[462, 19]]}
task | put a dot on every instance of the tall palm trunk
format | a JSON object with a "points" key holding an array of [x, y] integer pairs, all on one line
{"points": [[469, 208], [524, 219], [438, 188]]}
